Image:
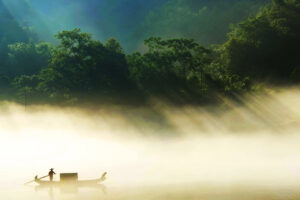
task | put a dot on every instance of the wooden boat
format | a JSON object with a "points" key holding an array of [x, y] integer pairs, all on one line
{"points": [[71, 180]]}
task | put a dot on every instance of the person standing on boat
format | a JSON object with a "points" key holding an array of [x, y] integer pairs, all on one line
{"points": [[51, 173]]}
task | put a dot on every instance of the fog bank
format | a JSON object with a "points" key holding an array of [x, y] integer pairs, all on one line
{"points": [[255, 143]]}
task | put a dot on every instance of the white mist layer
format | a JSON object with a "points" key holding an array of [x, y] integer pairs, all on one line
{"points": [[253, 144]]}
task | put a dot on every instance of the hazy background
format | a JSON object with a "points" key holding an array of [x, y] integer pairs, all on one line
{"points": [[229, 151], [132, 21]]}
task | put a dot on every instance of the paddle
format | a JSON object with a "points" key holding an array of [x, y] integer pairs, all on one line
{"points": [[34, 180], [103, 177]]}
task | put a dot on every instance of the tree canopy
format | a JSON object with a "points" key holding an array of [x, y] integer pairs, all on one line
{"points": [[82, 69], [266, 45]]}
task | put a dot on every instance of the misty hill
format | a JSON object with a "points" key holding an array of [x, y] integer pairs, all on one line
{"points": [[208, 21], [131, 21], [105, 19], [28, 17], [10, 31]]}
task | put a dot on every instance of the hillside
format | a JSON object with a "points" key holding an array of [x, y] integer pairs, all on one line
{"points": [[131, 21], [207, 21], [10, 31]]}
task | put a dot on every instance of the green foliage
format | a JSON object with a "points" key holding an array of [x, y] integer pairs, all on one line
{"points": [[25, 89], [114, 46], [225, 80], [27, 58], [81, 67], [266, 45], [24, 60], [171, 67]]}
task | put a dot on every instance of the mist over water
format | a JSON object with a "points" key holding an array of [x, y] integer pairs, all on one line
{"points": [[230, 151]]}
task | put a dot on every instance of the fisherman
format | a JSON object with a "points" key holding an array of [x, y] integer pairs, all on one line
{"points": [[51, 173]]}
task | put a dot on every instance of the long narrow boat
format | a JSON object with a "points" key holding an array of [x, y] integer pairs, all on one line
{"points": [[71, 182]]}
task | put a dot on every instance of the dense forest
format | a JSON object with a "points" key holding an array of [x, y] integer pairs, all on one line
{"points": [[81, 69]]}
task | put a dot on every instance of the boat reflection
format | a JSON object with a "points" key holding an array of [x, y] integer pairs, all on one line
{"points": [[71, 189]]}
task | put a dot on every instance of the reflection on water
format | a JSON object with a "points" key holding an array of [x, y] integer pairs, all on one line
{"points": [[183, 192], [72, 190], [248, 152]]}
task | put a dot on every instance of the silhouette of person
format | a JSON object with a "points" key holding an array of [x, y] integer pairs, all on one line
{"points": [[51, 173]]}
